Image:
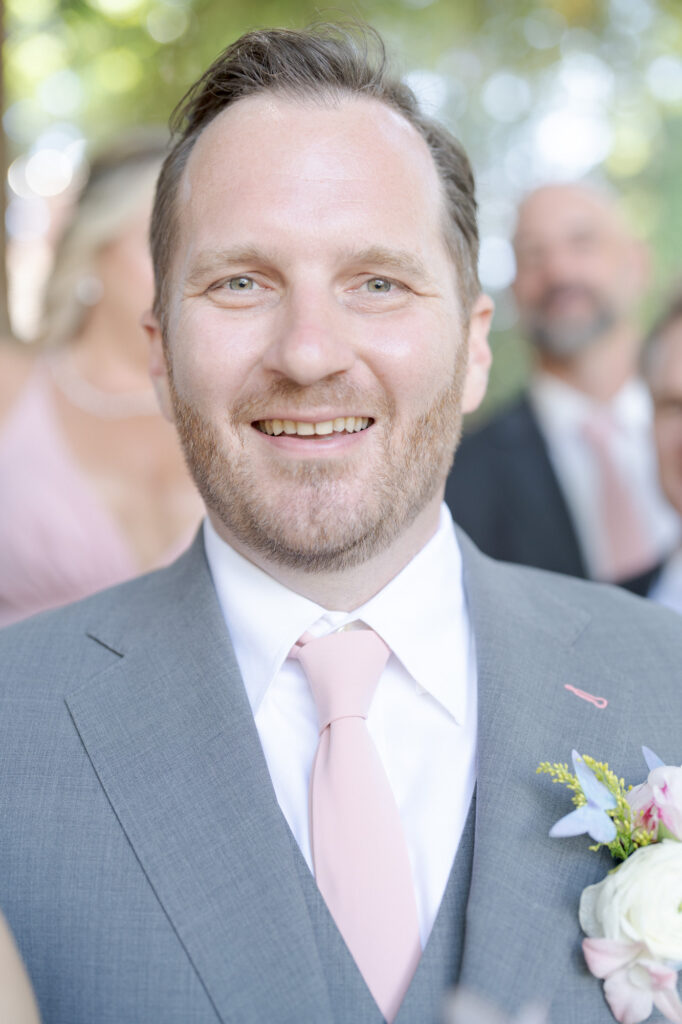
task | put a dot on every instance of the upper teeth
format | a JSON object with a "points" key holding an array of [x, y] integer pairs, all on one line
{"points": [[347, 423]]}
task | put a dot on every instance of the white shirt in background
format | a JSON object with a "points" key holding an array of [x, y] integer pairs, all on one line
{"points": [[667, 590], [423, 715], [561, 412]]}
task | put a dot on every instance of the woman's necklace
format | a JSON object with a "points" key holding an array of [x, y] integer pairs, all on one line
{"points": [[105, 405]]}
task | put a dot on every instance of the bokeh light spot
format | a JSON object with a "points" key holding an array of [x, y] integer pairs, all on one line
{"points": [[118, 8], [118, 70], [632, 15], [496, 263], [48, 172], [36, 56], [23, 120], [167, 23], [630, 150], [16, 177], [506, 96], [664, 79], [569, 143], [61, 94], [543, 29], [30, 12], [584, 76]]}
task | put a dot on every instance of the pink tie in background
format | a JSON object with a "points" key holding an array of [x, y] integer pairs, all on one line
{"points": [[359, 852], [627, 546]]}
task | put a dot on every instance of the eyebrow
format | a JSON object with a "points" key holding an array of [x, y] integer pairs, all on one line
{"points": [[398, 260], [394, 260], [212, 261]]}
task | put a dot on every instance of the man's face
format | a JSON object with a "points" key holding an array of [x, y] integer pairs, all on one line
{"points": [[579, 272], [666, 390], [316, 356]]}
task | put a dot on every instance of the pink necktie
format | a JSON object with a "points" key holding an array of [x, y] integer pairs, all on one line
{"points": [[359, 852], [627, 547]]}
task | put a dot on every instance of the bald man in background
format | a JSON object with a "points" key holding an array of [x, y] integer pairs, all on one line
{"points": [[565, 479]]}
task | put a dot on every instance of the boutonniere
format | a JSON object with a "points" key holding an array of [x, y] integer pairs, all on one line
{"points": [[633, 918]]}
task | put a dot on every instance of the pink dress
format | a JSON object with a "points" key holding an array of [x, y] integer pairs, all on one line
{"points": [[58, 542]]}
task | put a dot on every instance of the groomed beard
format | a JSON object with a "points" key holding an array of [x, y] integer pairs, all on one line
{"points": [[315, 528], [565, 337]]}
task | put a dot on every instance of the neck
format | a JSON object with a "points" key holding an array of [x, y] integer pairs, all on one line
{"points": [[110, 352], [602, 369], [347, 589]]}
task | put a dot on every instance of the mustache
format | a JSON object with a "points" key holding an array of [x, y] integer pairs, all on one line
{"points": [[297, 398], [559, 291]]}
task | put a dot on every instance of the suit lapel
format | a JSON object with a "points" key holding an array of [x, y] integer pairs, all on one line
{"points": [[172, 739], [525, 886]]}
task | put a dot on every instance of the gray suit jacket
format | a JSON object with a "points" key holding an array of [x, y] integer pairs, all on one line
{"points": [[147, 871]]}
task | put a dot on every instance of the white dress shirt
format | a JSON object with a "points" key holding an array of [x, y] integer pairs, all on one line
{"points": [[561, 412], [423, 715], [667, 590]]}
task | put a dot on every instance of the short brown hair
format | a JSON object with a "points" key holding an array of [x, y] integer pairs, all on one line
{"points": [[330, 61]]}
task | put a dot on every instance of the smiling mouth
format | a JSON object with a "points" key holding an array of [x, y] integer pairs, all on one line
{"points": [[298, 428]]}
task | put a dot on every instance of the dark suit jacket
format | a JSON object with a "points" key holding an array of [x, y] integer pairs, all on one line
{"points": [[504, 493], [150, 877]]}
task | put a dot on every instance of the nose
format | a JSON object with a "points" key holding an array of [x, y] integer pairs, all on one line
{"points": [[559, 264], [310, 341]]}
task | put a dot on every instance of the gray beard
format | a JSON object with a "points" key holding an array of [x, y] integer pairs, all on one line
{"points": [[563, 337], [563, 340]]}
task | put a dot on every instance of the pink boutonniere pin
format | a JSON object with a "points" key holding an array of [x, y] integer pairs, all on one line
{"points": [[633, 918]]}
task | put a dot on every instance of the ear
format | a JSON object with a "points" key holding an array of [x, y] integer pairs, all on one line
{"points": [[158, 367], [480, 356], [639, 267]]}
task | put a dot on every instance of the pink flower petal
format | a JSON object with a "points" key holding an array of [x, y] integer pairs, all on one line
{"points": [[604, 956], [662, 977], [669, 1004], [629, 1004], [665, 994]]}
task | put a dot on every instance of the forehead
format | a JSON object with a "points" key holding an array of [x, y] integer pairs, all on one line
{"points": [[559, 211], [270, 158]]}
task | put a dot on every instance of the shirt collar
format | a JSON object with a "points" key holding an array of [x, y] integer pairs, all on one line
{"points": [[562, 407], [428, 633]]}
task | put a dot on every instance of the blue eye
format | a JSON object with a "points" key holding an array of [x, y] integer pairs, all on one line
{"points": [[240, 284], [378, 284]]}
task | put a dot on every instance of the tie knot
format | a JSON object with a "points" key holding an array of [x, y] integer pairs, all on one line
{"points": [[598, 428], [343, 670]]}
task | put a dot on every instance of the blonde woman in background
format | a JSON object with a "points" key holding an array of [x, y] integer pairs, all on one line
{"points": [[92, 482], [17, 1002]]}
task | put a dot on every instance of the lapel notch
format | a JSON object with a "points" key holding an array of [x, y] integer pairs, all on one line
{"points": [[170, 734]]}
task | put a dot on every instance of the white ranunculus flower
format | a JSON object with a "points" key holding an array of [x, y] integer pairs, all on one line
{"points": [[640, 902]]}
